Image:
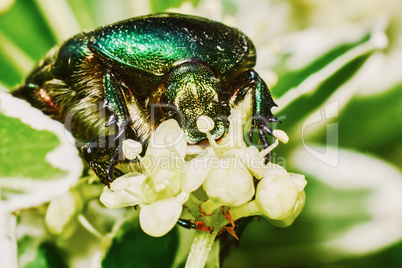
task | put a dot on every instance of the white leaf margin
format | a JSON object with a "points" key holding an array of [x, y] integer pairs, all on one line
{"points": [[64, 157]]}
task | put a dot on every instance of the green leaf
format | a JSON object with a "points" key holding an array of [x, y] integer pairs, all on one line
{"points": [[25, 25], [131, 247], [13, 77], [293, 114], [373, 124], [303, 105], [34, 150], [84, 13], [391, 257], [160, 6], [290, 79], [23, 150], [48, 256]]}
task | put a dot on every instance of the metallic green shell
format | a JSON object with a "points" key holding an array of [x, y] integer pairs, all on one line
{"points": [[156, 43]]}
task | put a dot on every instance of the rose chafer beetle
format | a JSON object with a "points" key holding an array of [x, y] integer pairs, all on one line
{"points": [[144, 70]]}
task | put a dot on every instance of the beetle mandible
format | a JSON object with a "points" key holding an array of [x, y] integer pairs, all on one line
{"points": [[187, 66]]}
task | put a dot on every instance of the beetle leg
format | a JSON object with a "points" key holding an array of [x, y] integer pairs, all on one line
{"points": [[111, 167], [116, 102], [112, 121], [251, 83], [102, 158], [188, 224], [265, 142], [262, 115], [104, 154]]}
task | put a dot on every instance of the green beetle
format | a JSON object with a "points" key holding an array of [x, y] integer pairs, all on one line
{"points": [[122, 80]]}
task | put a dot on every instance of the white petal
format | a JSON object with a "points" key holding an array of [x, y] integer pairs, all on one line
{"points": [[274, 169], [131, 182], [117, 199], [124, 191], [195, 175], [162, 183], [256, 164], [182, 197], [194, 149], [168, 136], [299, 180], [234, 137], [236, 119], [160, 217]]}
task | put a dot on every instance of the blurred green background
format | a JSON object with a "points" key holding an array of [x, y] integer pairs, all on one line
{"points": [[333, 67]]}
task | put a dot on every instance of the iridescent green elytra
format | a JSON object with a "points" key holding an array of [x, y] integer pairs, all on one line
{"points": [[132, 75]]}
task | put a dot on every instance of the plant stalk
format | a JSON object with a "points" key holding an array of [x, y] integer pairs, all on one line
{"points": [[200, 249]]}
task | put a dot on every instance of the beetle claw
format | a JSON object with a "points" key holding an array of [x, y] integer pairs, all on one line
{"points": [[110, 169], [263, 128], [267, 129], [263, 138], [126, 131], [265, 143], [106, 104], [112, 120], [274, 119]]}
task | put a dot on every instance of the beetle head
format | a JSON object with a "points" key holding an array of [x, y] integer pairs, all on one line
{"points": [[194, 90]]}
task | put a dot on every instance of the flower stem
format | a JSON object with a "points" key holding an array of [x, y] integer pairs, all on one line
{"points": [[209, 206], [193, 204], [200, 249], [248, 209]]}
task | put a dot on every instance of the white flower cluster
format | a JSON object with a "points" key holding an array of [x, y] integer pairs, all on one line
{"points": [[224, 171]]}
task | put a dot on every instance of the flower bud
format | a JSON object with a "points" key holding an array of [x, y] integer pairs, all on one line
{"points": [[277, 195], [229, 183], [296, 211]]}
